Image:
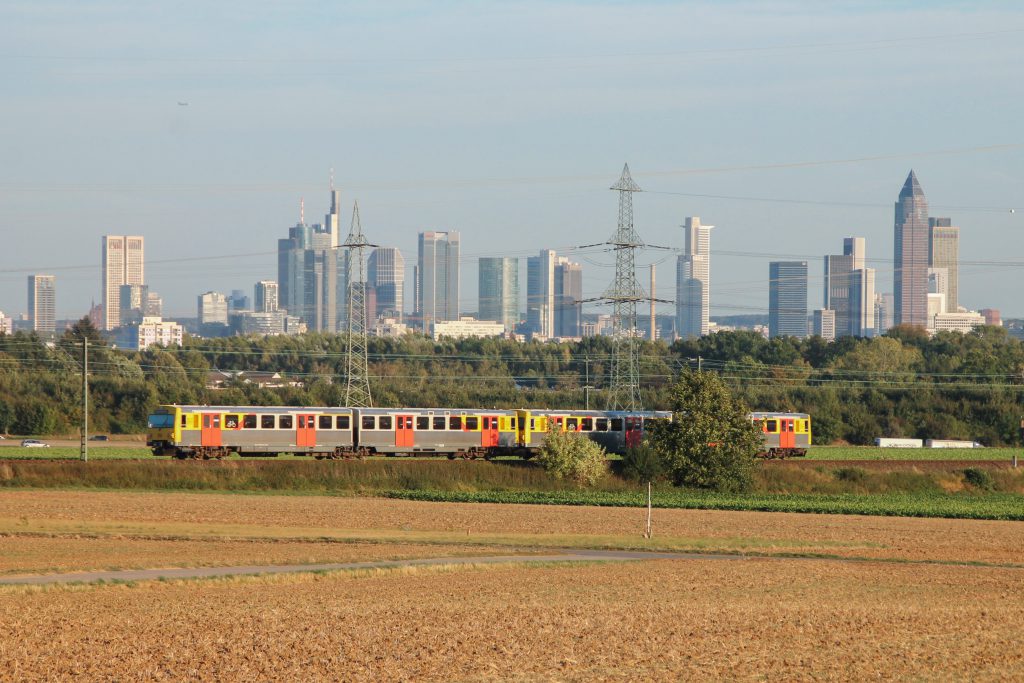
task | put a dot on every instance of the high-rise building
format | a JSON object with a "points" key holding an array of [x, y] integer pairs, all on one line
{"points": [[693, 280], [568, 298], [884, 312], [540, 294], [311, 271], [862, 303], [992, 317], [787, 298], [132, 304], [212, 309], [824, 324], [437, 297], [944, 252], [836, 291], [123, 264], [849, 290], [154, 307], [265, 294], [498, 291], [910, 259], [42, 302], [238, 301], [385, 273]]}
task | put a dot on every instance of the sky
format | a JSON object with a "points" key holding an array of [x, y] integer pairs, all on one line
{"points": [[787, 125]]}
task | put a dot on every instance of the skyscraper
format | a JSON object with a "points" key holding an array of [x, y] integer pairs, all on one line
{"points": [[498, 291], [910, 260], [438, 275], [693, 280], [787, 298], [212, 308], [944, 252], [132, 303], [568, 298], [265, 294], [311, 270], [540, 294], [42, 302], [385, 272], [123, 264], [849, 290]]}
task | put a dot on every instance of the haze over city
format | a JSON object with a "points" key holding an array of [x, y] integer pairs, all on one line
{"points": [[788, 126]]}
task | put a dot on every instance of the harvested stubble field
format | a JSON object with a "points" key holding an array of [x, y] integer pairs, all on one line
{"points": [[190, 517], [660, 620]]}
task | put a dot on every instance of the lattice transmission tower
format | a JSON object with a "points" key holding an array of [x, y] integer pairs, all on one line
{"points": [[624, 293], [357, 386]]}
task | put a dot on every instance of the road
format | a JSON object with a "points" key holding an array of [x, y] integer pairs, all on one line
{"points": [[212, 572]]}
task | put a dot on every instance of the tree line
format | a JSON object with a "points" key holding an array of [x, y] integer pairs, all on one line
{"points": [[902, 384]]}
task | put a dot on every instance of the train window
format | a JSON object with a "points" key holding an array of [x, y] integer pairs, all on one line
{"points": [[587, 424], [184, 420], [571, 424], [472, 422], [771, 426], [422, 423], [513, 423], [230, 422], [369, 422], [533, 423], [454, 422], [248, 422], [616, 424], [789, 426], [343, 422], [284, 422], [266, 421], [385, 422], [325, 422], [438, 423], [601, 424], [216, 421]]}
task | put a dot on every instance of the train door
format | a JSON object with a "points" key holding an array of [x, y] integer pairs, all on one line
{"points": [[787, 438], [556, 423], [489, 431], [404, 437], [210, 435], [634, 431], [305, 431]]}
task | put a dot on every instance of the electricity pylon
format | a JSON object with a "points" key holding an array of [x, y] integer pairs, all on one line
{"points": [[357, 386]]}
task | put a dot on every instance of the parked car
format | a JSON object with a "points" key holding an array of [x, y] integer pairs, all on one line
{"points": [[99, 437], [33, 443]]}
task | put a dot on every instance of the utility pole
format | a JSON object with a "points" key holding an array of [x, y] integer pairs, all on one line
{"points": [[357, 386], [586, 383], [84, 449]]}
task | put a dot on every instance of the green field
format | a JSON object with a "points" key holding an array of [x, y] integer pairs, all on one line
{"points": [[66, 452], [875, 453]]}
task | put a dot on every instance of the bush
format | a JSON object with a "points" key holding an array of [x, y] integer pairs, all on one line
{"points": [[642, 463], [979, 479], [852, 475], [568, 455]]}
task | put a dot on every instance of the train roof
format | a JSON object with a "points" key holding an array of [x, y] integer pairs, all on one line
{"points": [[766, 414]]}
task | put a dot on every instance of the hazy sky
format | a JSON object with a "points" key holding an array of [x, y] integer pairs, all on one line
{"points": [[507, 122]]}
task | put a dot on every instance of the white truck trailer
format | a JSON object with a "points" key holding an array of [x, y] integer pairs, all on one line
{"points": [[885, 442]]}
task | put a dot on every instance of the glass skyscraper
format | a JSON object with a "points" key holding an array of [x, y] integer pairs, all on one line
{"points": [[910, 261], [787, 298], [437, 273], [499, 291]]}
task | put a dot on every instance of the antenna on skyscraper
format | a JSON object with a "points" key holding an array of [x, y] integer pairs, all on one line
{"points": [[357, 383], [302, 210], [332, 179]]}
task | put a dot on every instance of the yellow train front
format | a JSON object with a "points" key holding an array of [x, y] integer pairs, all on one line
{"points": [[785, 435]]}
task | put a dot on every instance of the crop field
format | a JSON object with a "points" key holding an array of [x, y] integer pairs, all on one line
{"points": [[875, 453], [658, 620]]}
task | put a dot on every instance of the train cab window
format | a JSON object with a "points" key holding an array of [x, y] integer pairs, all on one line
{"points": [[422, 423], [230, 422], [601, 424], [571, 424], [771, 426], [248, 422], [284, 422], [455, 422], [385, 422], [438, 423], [266, 421], [472, 423], [343, 422], [533, 423], [369, 422], [616, 424], [587, 424], [325, 422]]}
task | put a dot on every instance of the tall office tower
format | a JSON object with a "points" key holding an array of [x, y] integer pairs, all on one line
{"points": [[944, 252], [498, 291], [854, 248], [132, 303], [291, 268], [540, 294], [332, 221], [884, 312], [862, 303], [849, 290], [568, 298], [42, 302], [238, 301], [385, 273], [787, 298], [123, 264], [438, 272], [836, 291], [324, 287], [910, 260], [212, 309], [693, 280], [824, 324], [265, 294], [154, 307]]}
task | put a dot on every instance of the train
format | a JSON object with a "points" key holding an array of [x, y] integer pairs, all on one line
{"points": [[205, 432]]}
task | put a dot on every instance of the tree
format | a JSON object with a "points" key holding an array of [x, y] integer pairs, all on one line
{"points": [[573, 456], [709, 443]]}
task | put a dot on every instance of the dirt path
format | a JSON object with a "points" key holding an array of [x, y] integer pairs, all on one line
{"points": [[211, 572]]}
